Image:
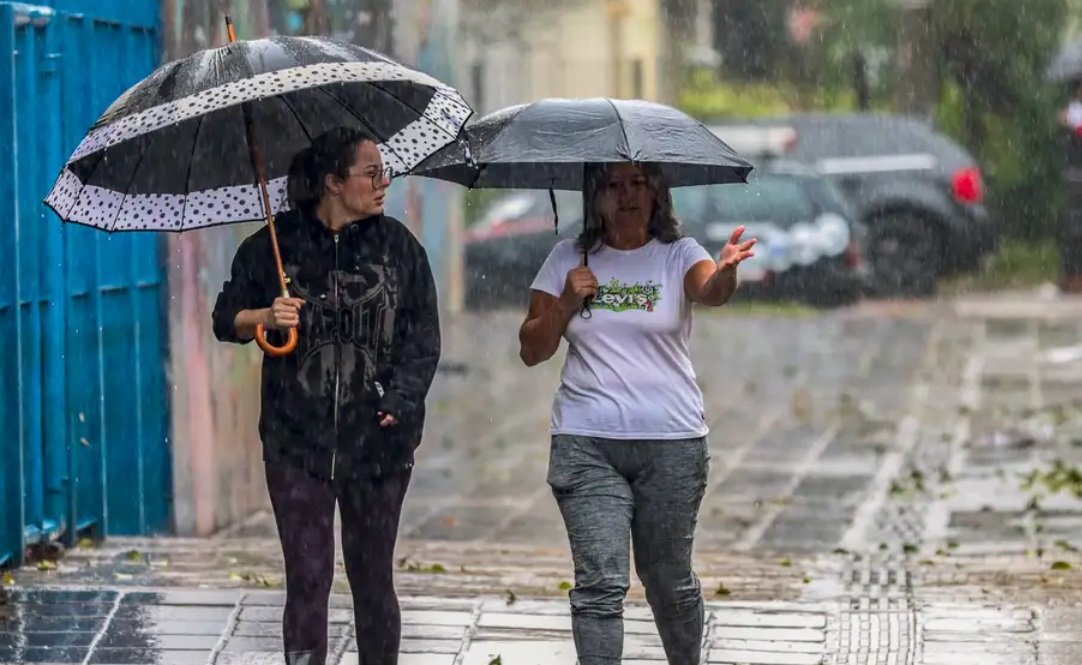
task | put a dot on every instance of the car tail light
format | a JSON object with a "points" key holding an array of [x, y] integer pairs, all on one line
{"points": [[789, 140], [967, 186]]}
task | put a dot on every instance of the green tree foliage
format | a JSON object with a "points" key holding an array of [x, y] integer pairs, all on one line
{"points": [[994, 99], [989, 57]]}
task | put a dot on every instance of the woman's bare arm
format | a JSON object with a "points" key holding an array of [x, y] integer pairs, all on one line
{"points": [[546, 320]]}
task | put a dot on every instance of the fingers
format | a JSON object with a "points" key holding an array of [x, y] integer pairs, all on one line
{"points": [[736, 259], [386, 419], [287, 312], [737, 232]]}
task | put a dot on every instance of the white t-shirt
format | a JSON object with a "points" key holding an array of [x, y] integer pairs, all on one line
{"points": [[628, 373]]}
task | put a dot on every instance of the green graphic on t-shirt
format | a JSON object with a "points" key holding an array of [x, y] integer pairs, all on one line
{"points": [[619, 297]]}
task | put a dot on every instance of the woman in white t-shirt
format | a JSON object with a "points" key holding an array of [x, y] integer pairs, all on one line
{"points": [[629, 455]]}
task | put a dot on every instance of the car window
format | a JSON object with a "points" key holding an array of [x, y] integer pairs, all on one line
{"points": [[862, 137], [689, 203], [827, 197]]}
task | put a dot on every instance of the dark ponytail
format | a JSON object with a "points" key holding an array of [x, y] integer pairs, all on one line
{"points": [[298, 186], [331, 153]]}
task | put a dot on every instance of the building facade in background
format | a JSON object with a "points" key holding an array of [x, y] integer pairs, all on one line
{"points": [[518, 51]]}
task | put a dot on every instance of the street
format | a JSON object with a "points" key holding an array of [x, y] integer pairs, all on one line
{"points": [[890, 483]]}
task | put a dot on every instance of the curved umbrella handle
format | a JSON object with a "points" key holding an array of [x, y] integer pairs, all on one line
{"points": [[270, 349]]}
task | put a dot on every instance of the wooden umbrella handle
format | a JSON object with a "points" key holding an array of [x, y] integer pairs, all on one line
{"points": [[270, 349], [260, 175]]}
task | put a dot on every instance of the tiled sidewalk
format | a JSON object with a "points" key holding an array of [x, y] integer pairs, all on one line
{"points": [[186, 627], [182, 627]]}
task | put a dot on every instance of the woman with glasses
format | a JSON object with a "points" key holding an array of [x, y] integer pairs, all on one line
{"points": [[629, 456], [342, 415]]}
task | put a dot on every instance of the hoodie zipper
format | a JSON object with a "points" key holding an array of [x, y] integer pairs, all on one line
{"points": [[337, 358]]}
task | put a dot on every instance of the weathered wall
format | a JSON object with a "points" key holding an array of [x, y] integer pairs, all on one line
{"points": [[217, 473], [218, 477]]}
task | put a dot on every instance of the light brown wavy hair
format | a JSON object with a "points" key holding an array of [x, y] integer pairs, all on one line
{"points": [[663, 224]]}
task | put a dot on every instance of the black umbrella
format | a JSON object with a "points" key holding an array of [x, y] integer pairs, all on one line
{"points": [[547, 144], [208, 140]]}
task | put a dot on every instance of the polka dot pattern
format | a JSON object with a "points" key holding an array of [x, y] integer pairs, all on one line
{"points": [[437, 127], [449, 107], [113, 211], [64, 193]]}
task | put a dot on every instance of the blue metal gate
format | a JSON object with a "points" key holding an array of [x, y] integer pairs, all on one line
{"points": [[83, 404]]}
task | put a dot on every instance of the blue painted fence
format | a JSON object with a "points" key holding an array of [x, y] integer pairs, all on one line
{"points": [[83, 404]]}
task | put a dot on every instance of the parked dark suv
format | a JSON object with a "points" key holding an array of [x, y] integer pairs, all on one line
{"points": [[919, 193]]}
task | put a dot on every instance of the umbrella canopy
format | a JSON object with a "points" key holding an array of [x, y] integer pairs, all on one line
{"points": [[547, 144], [1067, 65], [173, 153]]}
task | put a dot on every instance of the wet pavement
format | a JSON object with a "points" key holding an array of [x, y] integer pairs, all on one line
{"points": [[891, 483]]}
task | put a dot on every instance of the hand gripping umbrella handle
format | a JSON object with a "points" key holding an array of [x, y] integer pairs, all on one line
{"points": [[270, 349]]}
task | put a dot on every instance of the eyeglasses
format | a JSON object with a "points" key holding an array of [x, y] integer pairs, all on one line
{"points": [[378, 177]]}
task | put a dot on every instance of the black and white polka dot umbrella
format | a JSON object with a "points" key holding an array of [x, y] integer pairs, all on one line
{"points": [[172, 153]]}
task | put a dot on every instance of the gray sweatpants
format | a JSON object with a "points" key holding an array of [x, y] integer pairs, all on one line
{"points": [[611, 492]]}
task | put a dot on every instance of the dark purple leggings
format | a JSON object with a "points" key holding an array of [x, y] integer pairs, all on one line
{"points": [[304, 511]]}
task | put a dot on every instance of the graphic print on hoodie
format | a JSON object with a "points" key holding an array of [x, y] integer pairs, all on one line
{"points": [[349, 335]]}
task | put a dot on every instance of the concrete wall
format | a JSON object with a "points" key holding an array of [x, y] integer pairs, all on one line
{"points": [[218, 477], [217, 469]]}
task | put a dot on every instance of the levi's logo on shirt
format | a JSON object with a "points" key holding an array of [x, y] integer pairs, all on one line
{"points": [[616, 296]]}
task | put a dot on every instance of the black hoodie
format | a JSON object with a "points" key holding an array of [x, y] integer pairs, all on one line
{"points": [[369, 341]]}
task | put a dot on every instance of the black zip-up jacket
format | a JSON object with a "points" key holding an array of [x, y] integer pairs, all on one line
{"points": [[369, 341]]}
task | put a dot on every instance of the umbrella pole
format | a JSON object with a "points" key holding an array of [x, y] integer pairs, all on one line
{"points": [[260, 174]]}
